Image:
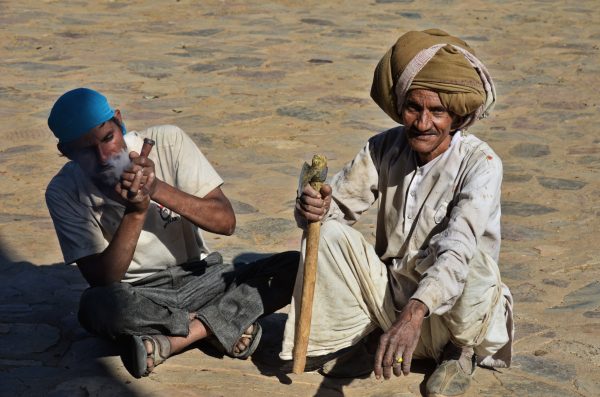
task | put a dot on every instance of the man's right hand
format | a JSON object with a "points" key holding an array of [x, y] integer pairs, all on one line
{"points": [[312, 206], [398, 343], [134, 193]]}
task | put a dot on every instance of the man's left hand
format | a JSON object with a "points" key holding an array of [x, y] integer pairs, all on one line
{"points": [[397, 344]]}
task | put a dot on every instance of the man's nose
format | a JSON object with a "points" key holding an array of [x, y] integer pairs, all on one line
{"points": [[103, 154], [424, 121]]}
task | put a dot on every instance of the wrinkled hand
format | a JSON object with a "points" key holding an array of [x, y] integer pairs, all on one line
{"points": [[312, 206], [138, 182], [400, 341]]}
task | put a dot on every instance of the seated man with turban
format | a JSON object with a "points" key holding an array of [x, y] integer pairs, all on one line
{"points": [[431, 284], [131, 222]]}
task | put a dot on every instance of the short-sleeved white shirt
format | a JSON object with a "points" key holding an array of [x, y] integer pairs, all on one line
{"points": [[85, 219]]}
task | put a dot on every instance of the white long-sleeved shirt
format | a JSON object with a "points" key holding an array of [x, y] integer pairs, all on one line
{"points": [[432, 219]]}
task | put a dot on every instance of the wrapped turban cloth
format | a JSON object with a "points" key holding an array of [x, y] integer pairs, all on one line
{"points": [[435, 61]]}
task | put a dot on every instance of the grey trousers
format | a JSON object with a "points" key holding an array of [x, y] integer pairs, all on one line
{"points": [[226, 298]]}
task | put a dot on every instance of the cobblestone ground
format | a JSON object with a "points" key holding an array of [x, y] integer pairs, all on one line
{"points": [[261, 86]]}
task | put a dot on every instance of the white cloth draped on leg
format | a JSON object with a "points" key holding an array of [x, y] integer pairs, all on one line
{"points": [[352, 295], [481, 318]]}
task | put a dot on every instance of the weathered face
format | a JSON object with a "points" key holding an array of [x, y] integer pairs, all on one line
{"points": [[101, 154], [428, 124]]}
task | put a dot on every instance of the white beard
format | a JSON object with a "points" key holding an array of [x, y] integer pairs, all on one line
{"points": [[110, 175]]}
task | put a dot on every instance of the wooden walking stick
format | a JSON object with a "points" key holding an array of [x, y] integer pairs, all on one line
{"points": [[314, 174]]}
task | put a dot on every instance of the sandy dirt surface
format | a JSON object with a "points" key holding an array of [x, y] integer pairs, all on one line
{"points": [[261, 86]]}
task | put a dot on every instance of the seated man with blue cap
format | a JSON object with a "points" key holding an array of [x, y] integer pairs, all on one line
{"points": [[132, 220]]}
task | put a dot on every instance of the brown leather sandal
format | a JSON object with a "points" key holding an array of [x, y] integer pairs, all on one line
{"points": [[254, 337], [135, 356]]}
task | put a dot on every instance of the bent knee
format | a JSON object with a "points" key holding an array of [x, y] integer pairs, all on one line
{"points": [[107, 310], [333, 232]]}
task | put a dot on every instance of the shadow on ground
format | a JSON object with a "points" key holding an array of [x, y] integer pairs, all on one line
{"points": [[43, 350]]}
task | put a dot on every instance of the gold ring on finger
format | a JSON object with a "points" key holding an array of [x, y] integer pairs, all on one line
{"points": [[397, 361]]}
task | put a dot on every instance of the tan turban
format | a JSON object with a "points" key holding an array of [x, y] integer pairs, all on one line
{"points": [[436, 61]]}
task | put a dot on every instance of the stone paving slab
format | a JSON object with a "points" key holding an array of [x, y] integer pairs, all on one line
{"points": [[260, 87]]}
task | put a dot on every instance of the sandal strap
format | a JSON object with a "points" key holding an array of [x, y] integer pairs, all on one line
{"points": [[254, 337], [161, 348]]}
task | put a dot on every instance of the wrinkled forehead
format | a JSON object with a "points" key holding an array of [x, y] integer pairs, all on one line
{"points": [[422, 99]]}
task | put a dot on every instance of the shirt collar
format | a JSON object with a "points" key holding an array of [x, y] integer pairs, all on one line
{"points": [[456, 138]]}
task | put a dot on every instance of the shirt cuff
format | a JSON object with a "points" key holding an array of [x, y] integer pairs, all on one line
{"points": [[429, 292]]}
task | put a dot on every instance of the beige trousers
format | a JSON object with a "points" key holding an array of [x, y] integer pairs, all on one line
{"points": [[353, 296]]}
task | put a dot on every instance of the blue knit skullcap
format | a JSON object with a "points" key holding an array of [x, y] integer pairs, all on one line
{"points": [[78, 111]]}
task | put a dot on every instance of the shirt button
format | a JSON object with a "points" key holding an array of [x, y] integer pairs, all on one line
{"points": [[409, 216], [413, 194]]}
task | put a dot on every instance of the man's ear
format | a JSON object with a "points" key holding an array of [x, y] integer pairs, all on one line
{"points": [[118, 116]]}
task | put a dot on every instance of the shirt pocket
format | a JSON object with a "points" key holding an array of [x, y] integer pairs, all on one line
{"points": [[433, 220]]}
